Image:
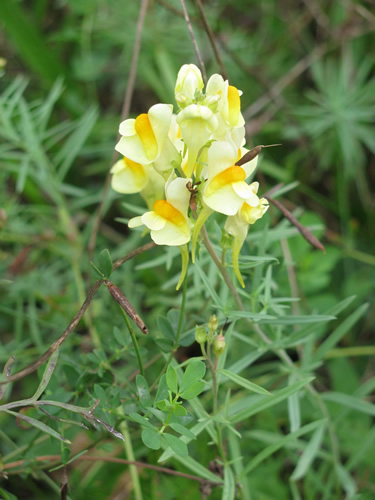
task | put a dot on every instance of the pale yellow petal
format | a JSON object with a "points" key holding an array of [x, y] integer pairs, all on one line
{"points": [[153, 221], [225, 200], [171, 235]]}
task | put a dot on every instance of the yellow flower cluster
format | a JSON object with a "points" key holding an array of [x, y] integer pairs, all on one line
{"points": [[184, 165]]}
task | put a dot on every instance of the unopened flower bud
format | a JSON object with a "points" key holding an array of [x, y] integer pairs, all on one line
{"points": [[189, 83], [200, 334], [213, 323], [219, 345], [226, 241]]}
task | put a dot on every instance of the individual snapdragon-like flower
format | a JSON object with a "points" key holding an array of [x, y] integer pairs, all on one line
{"points": [[128, 176], [226, 189], [189, 85], [197, 124], [143, 138], [224, 99], [168, 222], [238, 226]]}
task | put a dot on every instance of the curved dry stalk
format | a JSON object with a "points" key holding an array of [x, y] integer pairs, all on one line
{"points": [[211, 37], [309, 237]]}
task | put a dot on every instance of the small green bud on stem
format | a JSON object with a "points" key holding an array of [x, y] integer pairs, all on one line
{"points": [[200, 334], [213, 323], [219, 345]]}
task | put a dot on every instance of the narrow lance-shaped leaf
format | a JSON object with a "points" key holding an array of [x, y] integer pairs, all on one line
{"points": [[309, 454], [229, 489], [268, 401], [283, 441], [51, 365], [39, 425], [243, 382]]}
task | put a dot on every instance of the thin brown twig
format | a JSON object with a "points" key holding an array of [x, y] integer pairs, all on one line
{"points": [[125, 112], [116, 460], [211, 37], [194, 40], [72, 325], [313, 240], [126, 306]]}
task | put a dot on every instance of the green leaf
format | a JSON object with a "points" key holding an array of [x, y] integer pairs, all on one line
{"points": [[6, 495], [171, 377], [299, 320], [143, 391], [162, 392], [346, 480], [69, 461], [179, 411], [178, 446], [309, 454], [294, 410], [97, 271], [268, 401], [65, 455], [229, 489], [193, 390], [197, 468], [243, 382], [339, 332], [151, 438], [39, 425], [281, 443], [142, 420], [164, 405], [182, 430], [51, 365], [350, 401], [215, 298], [194, 372], [166, 328], [105, 263]]}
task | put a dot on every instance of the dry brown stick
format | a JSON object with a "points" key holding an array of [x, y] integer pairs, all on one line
{"points": [[44, 458], [124, 114], [211, 37], [120, 298], [133, 254], [250, 155], [194, 40], [302, 229], [72, 325]]}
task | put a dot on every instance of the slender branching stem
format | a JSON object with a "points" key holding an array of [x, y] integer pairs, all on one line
{"points": [[134, 340]]}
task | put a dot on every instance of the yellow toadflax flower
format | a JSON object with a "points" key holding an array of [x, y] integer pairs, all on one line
{"points": [[144, 137], [168, 222], [226, 189], [238, 225], [129, 176]]}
